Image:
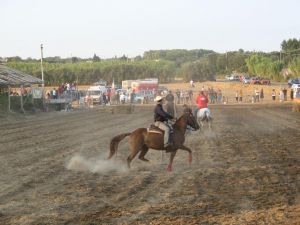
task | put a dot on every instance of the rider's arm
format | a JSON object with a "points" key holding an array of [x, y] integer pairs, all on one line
{"points": [[162, 113]]}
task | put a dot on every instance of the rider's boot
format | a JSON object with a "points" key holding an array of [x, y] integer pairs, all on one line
{"points": [[170, 145]]}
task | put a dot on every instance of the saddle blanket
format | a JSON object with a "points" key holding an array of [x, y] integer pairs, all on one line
{"points": [[154, 129]]}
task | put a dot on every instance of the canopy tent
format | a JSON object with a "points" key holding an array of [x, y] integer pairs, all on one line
{"points": [[14, 78]]}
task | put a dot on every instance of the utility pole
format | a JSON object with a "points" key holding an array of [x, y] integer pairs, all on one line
{"points": [[280, 56], [43, 83], [42, 69], [226, 61]]}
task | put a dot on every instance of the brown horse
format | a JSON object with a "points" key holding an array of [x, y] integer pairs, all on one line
{"points": [[140, 140]]}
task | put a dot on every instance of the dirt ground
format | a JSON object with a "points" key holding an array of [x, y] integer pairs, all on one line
{"points": [[245, 171]]}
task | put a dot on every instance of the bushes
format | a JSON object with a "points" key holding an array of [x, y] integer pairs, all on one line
{"points": [[90, 72], [264, 66]]}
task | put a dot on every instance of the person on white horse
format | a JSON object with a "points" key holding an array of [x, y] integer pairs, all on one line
{"points": [[202, 112], [161, 121]]}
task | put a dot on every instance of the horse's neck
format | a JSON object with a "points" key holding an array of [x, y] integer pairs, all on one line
{"points": [[180, 124]]}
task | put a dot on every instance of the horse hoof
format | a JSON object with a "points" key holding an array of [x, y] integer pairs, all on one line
{"points": [[169, 168]]}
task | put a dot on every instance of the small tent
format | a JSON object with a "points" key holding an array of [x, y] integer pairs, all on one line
{"points": [[14, 78]]}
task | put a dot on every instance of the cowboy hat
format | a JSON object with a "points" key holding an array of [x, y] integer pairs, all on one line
{"points": [[158, 98]]}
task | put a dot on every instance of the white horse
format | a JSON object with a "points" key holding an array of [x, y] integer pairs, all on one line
{"points": [[204, 115]]}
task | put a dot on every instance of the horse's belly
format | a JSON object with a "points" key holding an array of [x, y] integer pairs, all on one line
{"points": [[155, 141]]}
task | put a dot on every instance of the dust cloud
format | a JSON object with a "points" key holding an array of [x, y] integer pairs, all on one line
{"points": [[100, 165]]}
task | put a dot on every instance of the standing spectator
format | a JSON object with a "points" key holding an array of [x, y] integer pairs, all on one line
{"points": [[261, 94], [108, 95], [132, 96], [181, 96], [281, 96], [192, 83], [273, 95], [54, 93], [253, 96], [219, 96], [209, 95], [190, 93], [237, 96], [292, 94], [257, 92], [170, 103], [104, 98], [89, 100], [48, 96], [68, 87], [187, 97], [214, 93], [117, 97], [122, 97], [241, 95], [61, 89], [178, 96], [284, 94]]}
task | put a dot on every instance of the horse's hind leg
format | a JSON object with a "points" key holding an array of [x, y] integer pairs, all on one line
{"points": [[131, 157], [135, 147], [143, 153]]}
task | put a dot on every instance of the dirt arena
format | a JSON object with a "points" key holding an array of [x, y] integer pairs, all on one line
{"points": [[245, 171]]}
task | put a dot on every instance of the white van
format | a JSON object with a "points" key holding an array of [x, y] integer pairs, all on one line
{"points": [[95, 92]]}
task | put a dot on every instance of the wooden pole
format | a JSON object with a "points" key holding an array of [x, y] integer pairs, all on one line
{"points": [[22, 106], [8, 98]]}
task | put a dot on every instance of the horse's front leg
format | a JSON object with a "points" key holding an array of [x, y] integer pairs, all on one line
{"points": [[170, 166], [188, 150], [200, 124]]}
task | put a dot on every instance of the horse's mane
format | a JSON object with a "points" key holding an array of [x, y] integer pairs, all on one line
{"points": [[184, 115]]}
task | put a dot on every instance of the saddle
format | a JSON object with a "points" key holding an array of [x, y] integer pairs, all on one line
{"points": [[154, 129]]}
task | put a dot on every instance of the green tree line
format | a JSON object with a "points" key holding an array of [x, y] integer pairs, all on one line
{"points": [[166, 65]]}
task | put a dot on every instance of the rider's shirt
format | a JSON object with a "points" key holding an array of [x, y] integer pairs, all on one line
{"points": [[160, 114], [202, 101]]}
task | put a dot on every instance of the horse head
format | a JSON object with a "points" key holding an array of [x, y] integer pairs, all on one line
{"points": [[190, 119]]}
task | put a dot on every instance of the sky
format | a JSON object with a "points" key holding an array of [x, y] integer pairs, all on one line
{"points": [[109, 28]]}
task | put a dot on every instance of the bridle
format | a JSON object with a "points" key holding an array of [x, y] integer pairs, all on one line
{"points": [[188, 127]]}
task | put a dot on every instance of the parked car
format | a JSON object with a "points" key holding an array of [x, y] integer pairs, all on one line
{"points": [[144, 96], [94, 93], [139, 98], [265, 82], [246, 80], [234, 78], [227, 77], [254, 80], [293, 81]]}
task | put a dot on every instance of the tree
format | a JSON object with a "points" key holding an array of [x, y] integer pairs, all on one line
{"points": [[290, 45], [96, 58]]}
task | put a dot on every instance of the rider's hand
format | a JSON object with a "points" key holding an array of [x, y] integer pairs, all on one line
{"points": [[174, 119]]}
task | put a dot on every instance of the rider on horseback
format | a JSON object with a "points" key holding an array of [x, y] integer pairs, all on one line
{"points": [[161, 121], [201, 101]]}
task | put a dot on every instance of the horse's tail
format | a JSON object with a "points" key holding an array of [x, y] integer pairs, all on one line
{"points": [[114, 143]]}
